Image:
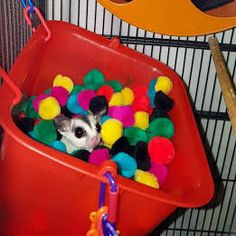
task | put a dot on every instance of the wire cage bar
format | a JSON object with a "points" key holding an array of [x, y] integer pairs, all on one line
{"points": [[190, 57]]}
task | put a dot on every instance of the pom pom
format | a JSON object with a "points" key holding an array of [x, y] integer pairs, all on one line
{"points": [[161, 127], [32, 135], [161, 150], [49, 108], [141, 103], [73, 106], [61, 94], [81, 154], [126, 164], [66, 112], [28, 110], [98, 156], [37, 100], [105, 91], [141, 156], [45, 132], [141, 120], [94, 79], [84, 98], [122, 145], [139, 90], [135, 134], [163, 84], [98, 106], [116, 99], [158, 113], [104, 118], [111, 130], [146, 178], [128, 96], [152, 91], [77, 88], [163, 101], [124, 114], [25, 124], [115, 85], [60, 146], [47, 91], [160, 171], [64, 82]]}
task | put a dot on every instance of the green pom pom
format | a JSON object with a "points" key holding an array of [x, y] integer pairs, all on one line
{"points": [[135, 134], [160, 127], [45, 131], [77, 88], [48, 91], [28, 109], [94, 79], [116, 85]]}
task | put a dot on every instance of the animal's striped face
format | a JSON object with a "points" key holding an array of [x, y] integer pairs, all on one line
{"points": [[82, 132]]}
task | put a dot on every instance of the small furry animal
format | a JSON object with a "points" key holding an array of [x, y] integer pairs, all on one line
{"points": [[82, 132]]}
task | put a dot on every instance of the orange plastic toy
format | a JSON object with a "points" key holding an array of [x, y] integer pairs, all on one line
{"points": [[46, 192], [171, 17]]}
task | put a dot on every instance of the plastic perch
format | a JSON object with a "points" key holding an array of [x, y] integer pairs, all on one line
{"points": [[226, 85]]}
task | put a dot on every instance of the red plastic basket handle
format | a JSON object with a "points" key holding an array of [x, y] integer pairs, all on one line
{"points": [[12, 86]]}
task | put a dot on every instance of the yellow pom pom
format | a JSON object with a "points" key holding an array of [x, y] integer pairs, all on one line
{"points": [[111, 130], [146, 178], [141, 119], [64, 82], [164, 84], [128, 96], [49, 108], [116, 99]]}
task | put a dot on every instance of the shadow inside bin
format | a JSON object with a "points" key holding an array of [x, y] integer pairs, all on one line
{"points": [[218, 184]]}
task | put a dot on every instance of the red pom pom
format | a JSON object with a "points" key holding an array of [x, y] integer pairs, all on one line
{"points": [[140, 90], [106, 91], [161, 150], [141, 103]]}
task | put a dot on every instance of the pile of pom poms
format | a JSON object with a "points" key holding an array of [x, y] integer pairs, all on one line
{"points": [[136, 129]]}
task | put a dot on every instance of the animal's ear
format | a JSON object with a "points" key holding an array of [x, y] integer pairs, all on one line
{"points": [[98, 106], [63, 123]]}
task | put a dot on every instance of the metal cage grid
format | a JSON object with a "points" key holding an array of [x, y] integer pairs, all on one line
{"points": [[190, 57]]}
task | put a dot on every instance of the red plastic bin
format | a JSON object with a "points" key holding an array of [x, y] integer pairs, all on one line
{"points": [[46, 192]]}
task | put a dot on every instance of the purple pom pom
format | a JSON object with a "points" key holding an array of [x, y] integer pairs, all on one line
{"points": [[84, 98], [38, 99], [124, 114], [61, 94], [160, 171], [99, 155]]}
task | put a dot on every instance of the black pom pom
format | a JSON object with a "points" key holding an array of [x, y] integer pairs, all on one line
{"points": [[122, 145], [98, 106], [158, 113], [25, 124], [163, 101], [141, 156], [66, 112], [82, 154]]}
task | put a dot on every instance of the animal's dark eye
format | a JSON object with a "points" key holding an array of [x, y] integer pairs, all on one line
{"points": [[79, 132], [98, 127]]}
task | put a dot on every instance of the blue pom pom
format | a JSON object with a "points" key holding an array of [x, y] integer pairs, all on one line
{"points": [[126, 164], [32, 134], [73, 106], [152, 92], [104, 118], [59, 146]]}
